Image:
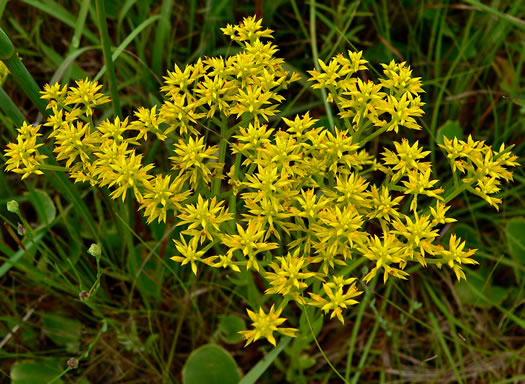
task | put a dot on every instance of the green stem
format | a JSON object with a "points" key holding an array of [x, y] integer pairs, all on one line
{"points": [[315, 54], [19, 72], [456, 192], [355, 330], [372, 136], [236, 175], [333, 92], [106, 49], [223, 146], [10, 109], [50, 167]]}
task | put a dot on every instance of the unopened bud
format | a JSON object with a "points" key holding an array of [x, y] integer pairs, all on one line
{"points": [[95, 250], [83, 296], [72, 363], [12, 206], [21, 229]]}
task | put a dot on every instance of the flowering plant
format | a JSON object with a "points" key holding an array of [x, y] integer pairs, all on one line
{"points": [[301, 205]]}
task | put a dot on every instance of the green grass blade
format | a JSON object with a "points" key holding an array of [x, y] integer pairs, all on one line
{"points": [[500, 15], [30, 246], [67, 62], [20, 73], [444, 347], [127, 41], [10, 109], [315, 53], [106, 48], [363, 304], [253, 375], [55, 10], [161, 35], [80, 23]]}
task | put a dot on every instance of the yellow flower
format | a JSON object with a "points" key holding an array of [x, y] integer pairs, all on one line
{"points": [[420, 234], [195, 160], [439, 214], [343, 224], [253, 101], [419, 183], [224, 261], [55, 93], [384, 253], [106, 155], [23, 156], [406, 159], [357, 61], [148, 121], [288, 276], [399, 79], [60, 119], [329, 75], [266, 182], [86, 93], [72, 141], [300, 124], [313, 188], [265, 324], [311, 204], [281, 154], [128, 173], [162, 195], [483, 166], [212, 91], [178, 81], [352, 189], [204, 218], [338, 299], [383, 205], [455, 256], [250, 139], [268, 211], [249, 29], [249, 241], [366, 100], [338, 148], [402, 111], [115, 130], [188, 251], [180, 113]]}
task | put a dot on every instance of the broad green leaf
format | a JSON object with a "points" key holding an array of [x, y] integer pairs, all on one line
{"points": [[450, 130], [141, 271], [210, 364], [492, 294], [306, 361], [316, 321], [44, 206], [35, 372], [515, 231], [62, 331], [229, 327], [253, 375], [468, 234], [27, 334], [17, 257]]}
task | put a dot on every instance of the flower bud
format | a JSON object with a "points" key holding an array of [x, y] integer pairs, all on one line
{"points": [[12, 206], [95, 250]]}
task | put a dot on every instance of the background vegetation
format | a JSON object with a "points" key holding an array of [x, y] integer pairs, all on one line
{"points": [[144, 315]]}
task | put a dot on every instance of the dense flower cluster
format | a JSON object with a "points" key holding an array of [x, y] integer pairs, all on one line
{"points": [[299, 204]]}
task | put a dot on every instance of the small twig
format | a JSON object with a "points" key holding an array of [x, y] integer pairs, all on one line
{"points": [[24, 319]]}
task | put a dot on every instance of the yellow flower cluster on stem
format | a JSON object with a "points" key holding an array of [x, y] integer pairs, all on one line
{"points": [[299, 204]]}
